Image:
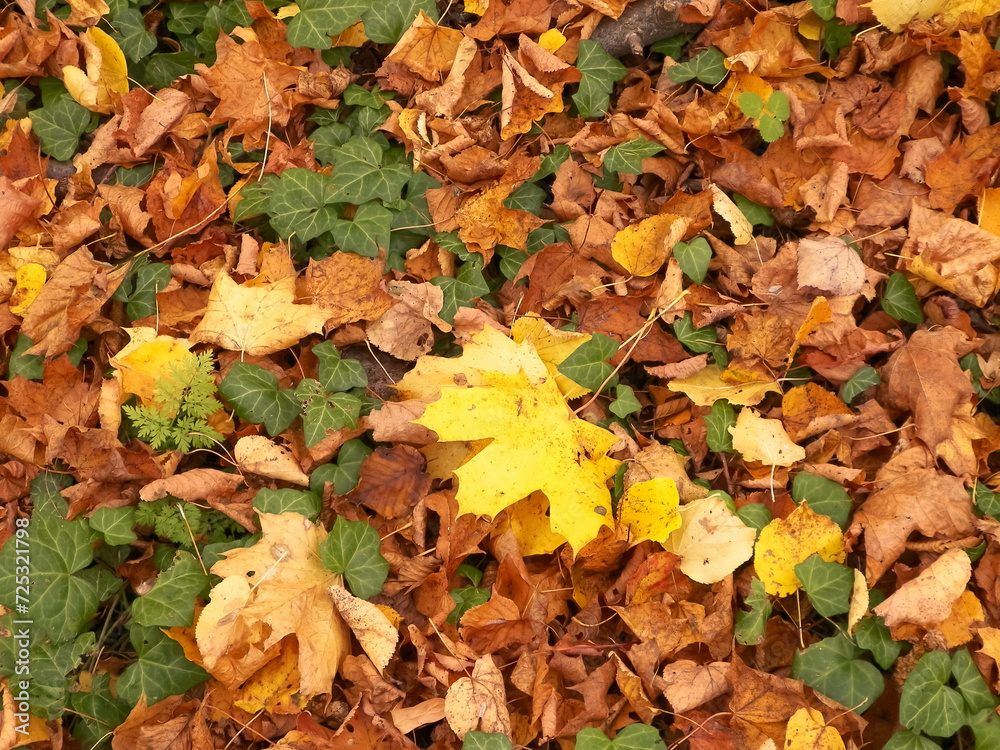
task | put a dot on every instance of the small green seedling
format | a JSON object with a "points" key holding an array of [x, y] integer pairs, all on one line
{"points": [[769, 117]]}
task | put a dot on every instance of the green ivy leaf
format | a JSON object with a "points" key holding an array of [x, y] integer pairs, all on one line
{"points": [[987, 502], [461, 291], [755, 516], [756, 214], [386, 22], [299, 204], [149, 280], [171, 600], [632, 737], [698, 340], [325, 412], [971, 685], [529, 197], [551, 162], [60, 121], [824, 496], [671, 46], [353, 549], [161, 669], [114, 524], [318, 20], [465, 599], [872, 635], [708, 66], [132, 35], [98, 712], [304, 503], [360, 174], [862, 380], [28, 366], [345, 473], [907, 740], [900, 300], [50, 663], [627, 157], [828, 585], [359, 96], [337, 374], [985, 727], [825, 9], [327, 139], [836, 36], [750, 625], [485, 741], [588, 365], [61, 601], [833, 668], [625, 402], [367, 232], [693, 258], [256, 397], [599, 72], [717, 424], [927, 703]]}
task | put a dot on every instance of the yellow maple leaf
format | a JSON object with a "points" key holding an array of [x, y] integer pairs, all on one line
{"points": [[894, 13], [257, 320], [553, 346], [807, 730], [649, 509], [785, 542], [278, 583], [528, 521], [30, 279], [537, 442], [148, 358], [107, 72]]}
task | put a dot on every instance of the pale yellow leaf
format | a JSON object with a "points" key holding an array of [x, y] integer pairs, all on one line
{"points": [[706, 387], [260, 455], [712, 541], [764, 440]]}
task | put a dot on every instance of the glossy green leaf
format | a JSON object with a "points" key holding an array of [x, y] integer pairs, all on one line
{"points": [[862, 380], [828, 585], [149, 280], [708, 67], [971, 685], [353, 549], [304, 503], [366, 232], [907, 740], [750, 624], [833, 668], [130, 31], [698, 340], [171, 600], [632, 737], [900, 300], [300, 204], [345, 473], [693, 258], [161, 670], [873, 635], [625, 402], [256, 397], [386, 22], [359, 174], [318, 20], [59, 122], [599, 72], [465, 599], [627, 157], [463, 290], [756, 214], [60, 601], [114, 524], [824, 496], [755, 515], [588, 364], [98, 712], [928, 704], [717, 424], [825, 9], [336, 373], [28, 366]]}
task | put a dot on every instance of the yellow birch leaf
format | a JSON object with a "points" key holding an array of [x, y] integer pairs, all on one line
{"points": [[649, 510], [807, 730], [259, 455], [275, 687], [764, 440], [641, 249], [107, 72], [551, 40], [479, 701], [147, 358], [370, 625], [723, 205], [707, 386], [785, 542], [712, 541], [30, 278]]}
